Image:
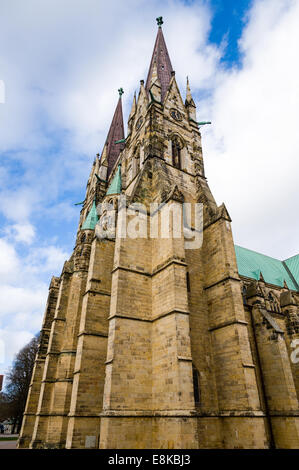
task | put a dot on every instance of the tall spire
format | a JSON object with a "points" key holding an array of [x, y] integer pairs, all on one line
{"points": [[161, 57], [116, 132]]}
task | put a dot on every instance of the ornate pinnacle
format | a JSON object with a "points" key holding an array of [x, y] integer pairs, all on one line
{"points": [[159, 21], [120, 91], [188, 94]]}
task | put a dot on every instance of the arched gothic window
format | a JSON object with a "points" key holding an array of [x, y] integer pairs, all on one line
{"points": [[176, 146]]}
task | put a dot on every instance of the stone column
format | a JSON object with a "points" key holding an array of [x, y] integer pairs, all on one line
{"points": [[62, 387], [40, 432], [89, 374], [239, 408]]}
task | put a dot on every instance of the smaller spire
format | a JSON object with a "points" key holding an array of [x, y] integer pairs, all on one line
{"points": [[189, 103], [134, 107], [115, 185], [189, 99], [116, 134], [92, 218], [188, 93]]}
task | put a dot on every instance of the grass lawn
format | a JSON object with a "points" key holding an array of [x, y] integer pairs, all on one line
{"points": [[8, 438]]}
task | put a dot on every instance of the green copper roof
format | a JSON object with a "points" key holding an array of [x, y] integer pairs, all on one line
{"points": [[293, 266], [91, 219], [115, 185], [252, 264]]}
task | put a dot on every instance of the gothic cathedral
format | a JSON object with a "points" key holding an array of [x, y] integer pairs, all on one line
{"points": [[147, 343]]}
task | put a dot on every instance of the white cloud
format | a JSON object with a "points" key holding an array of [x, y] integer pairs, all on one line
{"points": [[20, 300], [62, 211], [68, 60], [11, 341], [18, 205], [24, 233], [23, 290], [49, 259], [251, 150], [9, 262]]}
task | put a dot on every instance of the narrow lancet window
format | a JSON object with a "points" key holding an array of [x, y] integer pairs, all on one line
{"points": [[196, 389]]}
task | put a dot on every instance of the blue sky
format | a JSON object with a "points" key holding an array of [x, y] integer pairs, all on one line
{"points": [[62, 63], [227, 23]]}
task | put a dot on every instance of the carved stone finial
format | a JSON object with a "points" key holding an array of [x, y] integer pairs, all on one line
{"points": [[253, 290]]}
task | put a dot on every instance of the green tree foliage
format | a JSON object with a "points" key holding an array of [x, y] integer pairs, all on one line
{"points": [[13, 400]]}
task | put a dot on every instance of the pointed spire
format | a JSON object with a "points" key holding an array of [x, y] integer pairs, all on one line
{"points": [[116, 132], [163, 64], [189, 103], [92, 218], [134, 107], [115, 185], [189, 99]]}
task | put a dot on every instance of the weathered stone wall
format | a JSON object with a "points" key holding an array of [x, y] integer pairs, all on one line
{"points": [[153, 345]]}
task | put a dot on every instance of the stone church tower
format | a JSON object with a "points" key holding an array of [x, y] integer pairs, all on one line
{"points": [[147, 343]]}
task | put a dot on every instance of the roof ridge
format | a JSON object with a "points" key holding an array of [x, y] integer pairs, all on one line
{"points": [[274, 271], [291, 257], [268, 256], [259, 253]]}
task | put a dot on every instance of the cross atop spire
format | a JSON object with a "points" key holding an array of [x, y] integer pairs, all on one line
{"points": [[159, 21], [161, 57], [116, 132]]}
